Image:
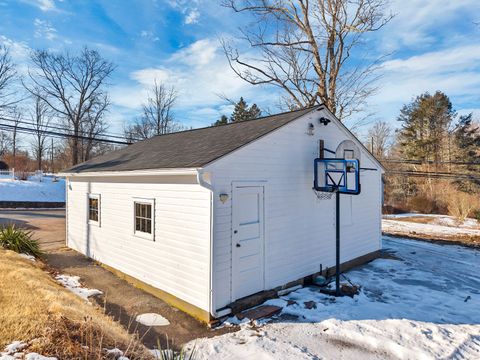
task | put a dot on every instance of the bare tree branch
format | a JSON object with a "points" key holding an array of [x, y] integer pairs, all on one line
{"points": [[304, 47], [73, 87]]}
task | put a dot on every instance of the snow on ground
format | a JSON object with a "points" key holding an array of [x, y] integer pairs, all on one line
{"points": [[33, 190], [407, 227], [425, 305], [152, 319], [436, 219], [15, 351], [72, 283]]}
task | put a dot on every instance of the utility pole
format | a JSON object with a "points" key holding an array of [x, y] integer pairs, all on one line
{"points": [[51, 155]]}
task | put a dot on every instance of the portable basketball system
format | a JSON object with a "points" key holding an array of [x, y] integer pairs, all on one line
{"points": [[337, 175]]}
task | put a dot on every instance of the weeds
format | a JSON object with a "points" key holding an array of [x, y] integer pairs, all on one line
{"points": [[170, 354], [18, 240]]}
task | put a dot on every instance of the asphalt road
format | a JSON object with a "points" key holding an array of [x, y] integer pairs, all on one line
{"points": [[47, 226]]}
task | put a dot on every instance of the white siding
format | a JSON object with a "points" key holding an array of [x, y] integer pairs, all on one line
{"points": [[299, 229], [177, 261]]}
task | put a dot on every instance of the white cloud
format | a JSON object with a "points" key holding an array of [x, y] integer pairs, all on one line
{"points": [[455, 71], [44, 29], [192, 17], [149, 35], [200, 73], [420, 23], [44, 5]]}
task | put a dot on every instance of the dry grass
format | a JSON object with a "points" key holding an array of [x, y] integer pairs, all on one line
{"points": [[55, 322]]}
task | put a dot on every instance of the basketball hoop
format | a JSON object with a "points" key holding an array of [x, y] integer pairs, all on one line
{"points": [[340, 176], [322, 195]]}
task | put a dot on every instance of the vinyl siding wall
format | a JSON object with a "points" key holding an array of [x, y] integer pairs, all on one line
{"points": [[177, 261], [299, 228]]}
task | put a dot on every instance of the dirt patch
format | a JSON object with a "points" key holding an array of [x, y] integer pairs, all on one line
{"points": [[124, 302], [461, 240]]}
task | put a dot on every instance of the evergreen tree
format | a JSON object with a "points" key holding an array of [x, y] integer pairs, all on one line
{"points": [[467, 139], [222, 121], [424, 131], [243, 112]]}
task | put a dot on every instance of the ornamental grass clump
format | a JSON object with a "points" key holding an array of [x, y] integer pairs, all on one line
{"points": [[19, 240]]}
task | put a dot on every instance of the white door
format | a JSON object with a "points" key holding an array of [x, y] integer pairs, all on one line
{"points": [[247, 241]]}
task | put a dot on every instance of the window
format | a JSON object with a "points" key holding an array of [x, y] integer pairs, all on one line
{"points": [[143, 218], [94, 209]]}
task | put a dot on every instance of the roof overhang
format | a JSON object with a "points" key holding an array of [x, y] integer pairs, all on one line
{"points": [[149, 172]]}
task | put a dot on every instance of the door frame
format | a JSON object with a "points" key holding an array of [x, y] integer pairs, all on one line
{"points": [[237, 184]]}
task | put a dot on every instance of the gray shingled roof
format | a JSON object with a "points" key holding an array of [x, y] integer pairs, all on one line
{"points": [[187, 149]]}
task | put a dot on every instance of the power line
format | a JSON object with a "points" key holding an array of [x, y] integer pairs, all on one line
{"points": [[434, 175], [430, 162], [59, 128], [59, 134]]}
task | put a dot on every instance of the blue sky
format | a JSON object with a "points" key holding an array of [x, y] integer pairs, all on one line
{"points": [[433, 44]]}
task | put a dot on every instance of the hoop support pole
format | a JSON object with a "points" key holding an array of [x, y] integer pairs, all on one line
{"points": [[337, 234]]}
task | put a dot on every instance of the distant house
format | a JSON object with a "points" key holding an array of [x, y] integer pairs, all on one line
{"points": [[204, 218]]}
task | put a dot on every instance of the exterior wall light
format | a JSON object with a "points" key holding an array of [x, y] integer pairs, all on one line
{"points": [[223, 198], [310, 130]]}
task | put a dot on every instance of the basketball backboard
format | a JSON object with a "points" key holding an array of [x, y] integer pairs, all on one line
{"points": [[337, 175]]}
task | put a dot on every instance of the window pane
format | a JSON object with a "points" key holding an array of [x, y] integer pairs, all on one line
{"points": [[149, 226], [137, 209], [149, 211], [137, 224]]}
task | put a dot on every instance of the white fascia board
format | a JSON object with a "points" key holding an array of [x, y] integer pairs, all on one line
{"points": [[153, 172]]}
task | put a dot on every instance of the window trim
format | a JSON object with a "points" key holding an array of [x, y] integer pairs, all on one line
{"points": [[98, 197], [141, 234]]}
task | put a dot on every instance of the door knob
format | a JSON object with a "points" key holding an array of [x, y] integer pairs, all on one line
{"points": [[238, 245], [235, 231]]}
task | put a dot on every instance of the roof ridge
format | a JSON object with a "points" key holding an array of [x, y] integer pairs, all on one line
{"points": [[237, 122]]}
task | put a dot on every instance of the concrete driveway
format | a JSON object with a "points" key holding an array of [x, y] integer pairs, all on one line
{"points": [[47, 226]]}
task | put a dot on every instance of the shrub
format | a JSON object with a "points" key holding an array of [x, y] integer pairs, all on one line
{"points": [[18, 240], [476, 214], [169, 354], [422, 204], [460, 204]]}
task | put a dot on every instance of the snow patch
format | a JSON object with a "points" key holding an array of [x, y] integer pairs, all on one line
{"points": [[45, 191], [72, 283], [15, 346], [422, 306], [28, 257], [35, 356], [152, 319]]}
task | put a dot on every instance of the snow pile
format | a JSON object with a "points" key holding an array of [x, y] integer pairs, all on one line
{"points": [[423, 306], [15, 351], [152, 319], [27, 256], [72, 283], [45, 191], [407, 227], [439, 226]]}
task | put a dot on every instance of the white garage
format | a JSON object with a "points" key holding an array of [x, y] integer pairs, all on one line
{"points": [[204, 218]]}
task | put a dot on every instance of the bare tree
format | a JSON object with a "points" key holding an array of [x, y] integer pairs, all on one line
{"points": [[305, 48], [73, 86], [41, 116], [157, 117], [94, 126], [15, 124], [7, 76], [379, 139], [5, 142]]}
